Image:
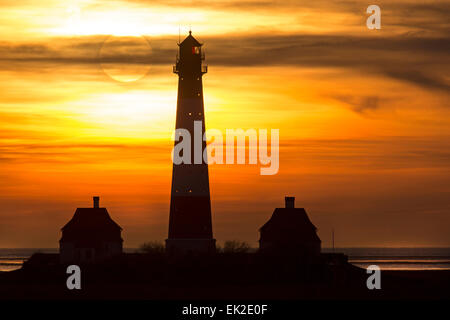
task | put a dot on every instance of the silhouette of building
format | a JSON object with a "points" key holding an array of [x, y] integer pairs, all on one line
{"points": [[90, 236], [190, 226], [289, 230]]}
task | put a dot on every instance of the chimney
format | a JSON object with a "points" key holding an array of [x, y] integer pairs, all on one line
{"points": [[290, 202], [96, 202]]}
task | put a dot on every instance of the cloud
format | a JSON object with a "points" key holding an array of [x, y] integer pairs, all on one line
{"points": [[390, 152], [412, 47], [362, 104], [431, 16], [66, 153], [418, 78], [420, 61], [384, 153]]}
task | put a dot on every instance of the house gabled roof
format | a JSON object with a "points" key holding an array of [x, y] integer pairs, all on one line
{"points": [[90, 227], [293, 220], [88, 218]]}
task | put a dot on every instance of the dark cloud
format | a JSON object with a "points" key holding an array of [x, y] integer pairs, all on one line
{"points": [[421, 61], [418, 78], [362, 104]]}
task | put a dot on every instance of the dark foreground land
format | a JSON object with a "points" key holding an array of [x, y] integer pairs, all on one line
{"points": [[218, 277]]}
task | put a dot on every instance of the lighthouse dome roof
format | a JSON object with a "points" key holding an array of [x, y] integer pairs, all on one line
{"points": [[190, 41]]}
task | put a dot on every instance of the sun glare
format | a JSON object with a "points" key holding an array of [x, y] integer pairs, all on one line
{"points": [[132, 107], [118, 21]]}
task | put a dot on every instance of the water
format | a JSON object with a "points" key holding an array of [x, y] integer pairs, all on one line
{"points": [[12, 259], [385, 258], [398, 258]]}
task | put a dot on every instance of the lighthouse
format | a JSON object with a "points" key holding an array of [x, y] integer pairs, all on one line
{"points": [[190, 226]]}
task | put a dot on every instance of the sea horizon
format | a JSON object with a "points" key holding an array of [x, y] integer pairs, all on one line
{"points": [[387, 258]]}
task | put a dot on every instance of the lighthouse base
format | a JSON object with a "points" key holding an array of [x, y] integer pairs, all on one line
{"points": [[190, 246]]}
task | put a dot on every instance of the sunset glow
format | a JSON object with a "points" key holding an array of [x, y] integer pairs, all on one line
{"points": [[88, 102]]}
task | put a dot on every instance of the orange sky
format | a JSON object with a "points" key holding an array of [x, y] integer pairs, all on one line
{"points": [[88, 103]]}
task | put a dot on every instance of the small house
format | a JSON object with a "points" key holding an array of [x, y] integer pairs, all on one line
{"points": [[90, 236], [290, 231]]}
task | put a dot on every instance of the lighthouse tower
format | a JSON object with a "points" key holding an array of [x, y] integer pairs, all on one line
{"points": [[190, 227]]}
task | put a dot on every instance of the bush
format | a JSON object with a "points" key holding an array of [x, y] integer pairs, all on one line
{"points": [[235, 246], [152, 247]]}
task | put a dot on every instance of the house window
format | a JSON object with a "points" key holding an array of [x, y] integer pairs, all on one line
{"points": [[195, 50]]}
